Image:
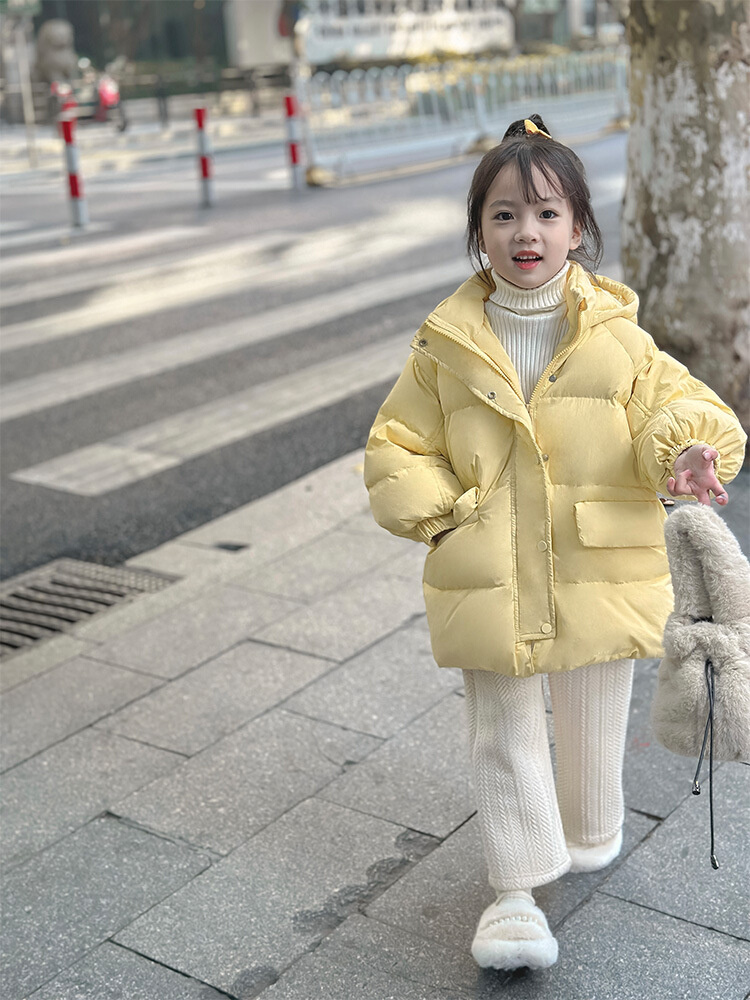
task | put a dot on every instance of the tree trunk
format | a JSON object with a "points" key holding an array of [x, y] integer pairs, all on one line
{"points": [[686, 213]]}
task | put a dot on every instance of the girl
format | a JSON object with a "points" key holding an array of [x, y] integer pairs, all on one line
{"points": [[525, 443]]}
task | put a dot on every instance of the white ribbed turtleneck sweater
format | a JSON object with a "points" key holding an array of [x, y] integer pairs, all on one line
{"points": [[529, 323]]}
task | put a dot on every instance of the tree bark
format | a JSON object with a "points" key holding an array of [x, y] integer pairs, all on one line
{"points": [[686, 213]]}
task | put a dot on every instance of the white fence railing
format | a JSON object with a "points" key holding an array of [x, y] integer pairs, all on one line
{"points": [[403, 113]]}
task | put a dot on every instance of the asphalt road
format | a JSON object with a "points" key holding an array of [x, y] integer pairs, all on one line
{"points": [[150, 326]]}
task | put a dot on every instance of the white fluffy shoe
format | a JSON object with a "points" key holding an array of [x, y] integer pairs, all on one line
{"points": [[513, 933], [591, 859]]}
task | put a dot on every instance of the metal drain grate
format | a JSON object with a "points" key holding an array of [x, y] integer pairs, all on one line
{"points": [[52, 599]]}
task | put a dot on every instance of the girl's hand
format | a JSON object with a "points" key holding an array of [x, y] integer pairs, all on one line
{"points": [[695, 475]]}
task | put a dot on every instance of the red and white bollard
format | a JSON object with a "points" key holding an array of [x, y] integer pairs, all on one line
{"points": [[78, 210], [205, 167], [294, 145]]}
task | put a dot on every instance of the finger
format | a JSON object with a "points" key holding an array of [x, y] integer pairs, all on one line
{"points": [[720, 494], [679, 487], [711, 484], [684, 485]]}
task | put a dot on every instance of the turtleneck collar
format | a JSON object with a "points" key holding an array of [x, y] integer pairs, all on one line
{"points": [[524, 301]]}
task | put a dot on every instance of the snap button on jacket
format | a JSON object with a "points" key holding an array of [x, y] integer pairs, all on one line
{"points": [[557, 556]]}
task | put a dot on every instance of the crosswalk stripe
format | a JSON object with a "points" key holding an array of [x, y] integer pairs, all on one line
{"points": [[398, 229], [87, 280], [100, 252], [28, 237], [138, 454], [39, 392]]}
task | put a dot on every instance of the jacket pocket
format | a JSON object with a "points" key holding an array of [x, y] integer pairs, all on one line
{"points": [[620, 523], [466, 504]]}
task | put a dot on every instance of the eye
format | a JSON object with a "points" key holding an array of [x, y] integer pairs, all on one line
{"points": [[551, 211], [502, 213]]}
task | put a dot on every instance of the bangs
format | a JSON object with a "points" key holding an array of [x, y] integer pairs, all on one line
{"points": [[525, 173]]}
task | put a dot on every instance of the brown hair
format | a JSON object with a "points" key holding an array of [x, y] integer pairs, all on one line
{"points": [[562, 169]]}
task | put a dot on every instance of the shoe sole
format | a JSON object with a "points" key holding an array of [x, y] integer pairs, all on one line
{"points": [[515, 954]]}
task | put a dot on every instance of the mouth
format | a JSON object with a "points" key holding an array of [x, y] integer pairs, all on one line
{"points": [[527, 260]]}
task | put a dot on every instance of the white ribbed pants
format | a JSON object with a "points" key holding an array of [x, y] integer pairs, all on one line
{"points": [[524, 817]]}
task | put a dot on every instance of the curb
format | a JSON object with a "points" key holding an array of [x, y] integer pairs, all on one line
{"points": [[121, 163], [94, 163], [265, 529]]}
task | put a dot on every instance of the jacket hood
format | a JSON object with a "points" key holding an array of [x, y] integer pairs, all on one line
{"points": [[595, 298]]}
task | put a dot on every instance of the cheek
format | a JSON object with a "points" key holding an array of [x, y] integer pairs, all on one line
{"points": [[494, 236]]}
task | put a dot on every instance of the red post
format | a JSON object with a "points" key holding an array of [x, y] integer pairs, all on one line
{"points": [[205, 160], [79, 211], [294, 146]]}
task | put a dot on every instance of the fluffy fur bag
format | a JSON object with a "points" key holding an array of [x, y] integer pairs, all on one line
{"points": [[710, 622]]}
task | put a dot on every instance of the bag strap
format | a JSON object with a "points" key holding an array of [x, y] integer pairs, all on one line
{"points": [[709, 730]]}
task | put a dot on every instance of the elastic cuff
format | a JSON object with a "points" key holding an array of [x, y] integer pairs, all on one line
{"points": [[431, 526]]}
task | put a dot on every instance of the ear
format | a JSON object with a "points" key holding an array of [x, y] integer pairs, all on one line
{"points": [[577, 236]]}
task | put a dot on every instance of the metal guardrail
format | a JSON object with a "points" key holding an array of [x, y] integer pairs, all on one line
{"points": [[230, 92], [444, 109]]}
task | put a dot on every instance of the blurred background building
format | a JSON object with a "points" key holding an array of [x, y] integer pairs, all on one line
{"points": [[174, 37]]}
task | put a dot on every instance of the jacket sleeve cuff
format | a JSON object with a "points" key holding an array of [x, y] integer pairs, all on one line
{"points": [[431, 526], [683, 446]]}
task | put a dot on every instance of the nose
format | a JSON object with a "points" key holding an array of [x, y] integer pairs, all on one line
{"points": [[526, 235], [527, 231]]}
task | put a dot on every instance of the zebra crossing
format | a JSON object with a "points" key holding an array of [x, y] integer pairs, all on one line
{"points": [[171, 279], [63, 385], [163, 444]]}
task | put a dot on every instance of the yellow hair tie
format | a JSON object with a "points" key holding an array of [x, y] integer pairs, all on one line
{"points": [[531, 128]]}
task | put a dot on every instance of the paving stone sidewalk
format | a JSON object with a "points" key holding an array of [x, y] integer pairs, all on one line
{"points": [[255, 783]]}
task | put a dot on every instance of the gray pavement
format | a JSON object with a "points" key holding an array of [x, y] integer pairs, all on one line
{"points": [[255, 783]]}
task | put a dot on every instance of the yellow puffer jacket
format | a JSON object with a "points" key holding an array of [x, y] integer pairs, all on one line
{"points": [[557, 559]]}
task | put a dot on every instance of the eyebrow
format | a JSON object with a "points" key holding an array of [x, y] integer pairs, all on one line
{"points": [[512, 204]]}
